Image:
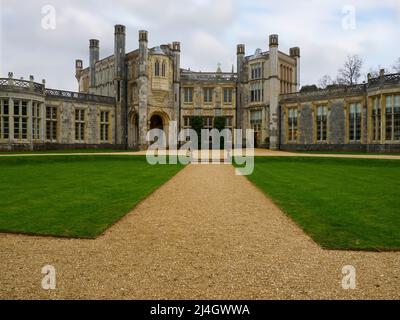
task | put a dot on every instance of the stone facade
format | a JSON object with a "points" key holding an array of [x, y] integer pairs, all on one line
{"points": [[123, 96], [156, 86], [362, 117], [33, 117]]}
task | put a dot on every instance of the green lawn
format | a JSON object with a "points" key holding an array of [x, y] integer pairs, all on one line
{"points": [[340, 203], [350, 153], [65, 151], [74, 196]]}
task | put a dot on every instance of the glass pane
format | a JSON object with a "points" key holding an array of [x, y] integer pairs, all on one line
{"points": [[388, 103], [396, 101]]}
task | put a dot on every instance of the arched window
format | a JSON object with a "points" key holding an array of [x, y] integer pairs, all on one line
{"points": [[157, 68], [164, 69]]}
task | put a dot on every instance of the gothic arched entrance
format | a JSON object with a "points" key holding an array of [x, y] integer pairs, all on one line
{"points": [[160, 120], [156, 122]]}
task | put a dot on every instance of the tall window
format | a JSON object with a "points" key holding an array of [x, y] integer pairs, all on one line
{"points": [[393, 118], [104, 126], [292, 124], [355, 122], [286, 76], [20, 119], [4, 119], [188, 95], [164, 69], [322, 123], [80, 125], [228, 122], [36, 121], [228, 95], [256, 120], [51, 124], [376, 119], [186, 122], [256, 92], [256, 71], [208, 95], [208, 122], [157, 68]]}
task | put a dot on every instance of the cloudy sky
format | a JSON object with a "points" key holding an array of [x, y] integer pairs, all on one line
{"points": [[207, 29]]}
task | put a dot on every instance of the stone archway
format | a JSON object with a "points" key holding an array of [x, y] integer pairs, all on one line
{"points": [[156, 122], [159, 120]]}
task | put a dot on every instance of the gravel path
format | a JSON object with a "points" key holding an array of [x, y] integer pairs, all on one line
{"points": [[206, 234]]}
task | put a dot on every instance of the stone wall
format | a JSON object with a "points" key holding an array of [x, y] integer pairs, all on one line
{"points": [[338, 99], [65, 103]]}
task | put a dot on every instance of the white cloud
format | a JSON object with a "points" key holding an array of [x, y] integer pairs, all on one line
{"points": [[208, 30]]}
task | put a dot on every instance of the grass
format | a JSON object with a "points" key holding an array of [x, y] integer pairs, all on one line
{"points": [[74, 196], [64, 151], [341, 203], [350, 153]]}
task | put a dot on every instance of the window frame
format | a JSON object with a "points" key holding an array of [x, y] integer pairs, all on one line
{"points": [[256, 71], [376, 119], [394, 118], [104, 130], [256, 92], [163, 69], [228, 95], [321, 135], [256, 122], [36, 116], [208, 95], [292, 123], [4, 119], [354, 125], [188, 92], [80, 125], [51, 124], [20, 118], [157, 68]]}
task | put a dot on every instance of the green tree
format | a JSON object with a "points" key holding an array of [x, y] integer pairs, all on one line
{"points": [[196, 122]]}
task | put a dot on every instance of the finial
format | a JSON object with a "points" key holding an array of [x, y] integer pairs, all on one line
{"points": [[273, 40], [143, 35]]}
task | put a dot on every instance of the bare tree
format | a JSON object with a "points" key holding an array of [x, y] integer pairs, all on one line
{"points": [[325, 81], [351, 71], [396, 65]]}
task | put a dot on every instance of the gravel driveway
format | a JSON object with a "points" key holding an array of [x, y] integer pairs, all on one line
{"points": [[206, 234]]}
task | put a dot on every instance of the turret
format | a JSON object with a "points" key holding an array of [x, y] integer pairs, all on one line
{"points": [[240, 96], [176, 51], [78, 69], [143, 87], [94, 53], [295, 53], [119, 51], [120, 84], [274, 92], [143, 53], [240, 59]]}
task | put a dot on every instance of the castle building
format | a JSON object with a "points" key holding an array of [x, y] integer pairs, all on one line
{"points": [[123, 96]]}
